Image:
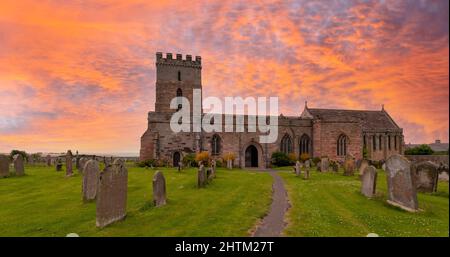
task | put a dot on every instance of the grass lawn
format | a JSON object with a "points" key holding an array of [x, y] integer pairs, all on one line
{"points": [[46, 203], [331, 205]]}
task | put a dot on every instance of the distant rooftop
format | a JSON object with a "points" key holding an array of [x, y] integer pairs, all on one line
{"points": [[437, 146]]}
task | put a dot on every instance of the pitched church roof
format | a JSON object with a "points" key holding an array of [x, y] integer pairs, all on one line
{"points": [[370, 119]]}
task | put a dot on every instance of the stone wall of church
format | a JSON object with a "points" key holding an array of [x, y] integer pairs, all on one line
{"points": [[326, 136]]}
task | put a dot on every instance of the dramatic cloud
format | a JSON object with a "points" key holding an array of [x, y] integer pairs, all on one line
{"points": [[80, 74]]}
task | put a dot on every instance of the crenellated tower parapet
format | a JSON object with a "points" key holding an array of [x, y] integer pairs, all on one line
{"points": [[178, 60]]}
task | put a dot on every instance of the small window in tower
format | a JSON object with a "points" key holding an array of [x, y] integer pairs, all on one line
{"points": [[179, 75]]}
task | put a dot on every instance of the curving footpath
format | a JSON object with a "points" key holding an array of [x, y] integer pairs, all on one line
{"points": [[273, 224]]}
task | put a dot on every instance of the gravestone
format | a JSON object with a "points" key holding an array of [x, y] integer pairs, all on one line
{"points": [[69, 171], [77, 163], [180, 166], [324, 164], [401, 188], [383, 167], [319, 165], [213, 168], [426, 176], [83, 161], [349, 165], [59, 165], [112, 194], [48, 160], [306, 174], [298, 167], [18, 165], [364, 163], [4, 165], [201, 176], [159, 189], [91, 173], [230, 164], [369, 181]]}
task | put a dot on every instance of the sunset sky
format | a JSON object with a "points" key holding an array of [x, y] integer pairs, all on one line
{"points": [[80, 75]]}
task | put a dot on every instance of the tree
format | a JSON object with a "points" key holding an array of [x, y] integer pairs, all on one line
{"points": [[14, 152], [419, 150]]}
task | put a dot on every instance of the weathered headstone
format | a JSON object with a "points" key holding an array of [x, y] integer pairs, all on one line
{"points": [[201, 176], [48, 160], [426, 176], [364, 163], [369, 181], [319, 165], [83, 161], [18, 165], [180, 166], [401, 189], [383, 167], [4, 165], [213, 168], [159, 189], [69, 171], [112, 194], [349, 165], [91, 173], [324, 164], [229, 164], [59, 165], [306, 174], [298, 167]]}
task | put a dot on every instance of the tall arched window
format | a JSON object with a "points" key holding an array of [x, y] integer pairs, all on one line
{"points": [[286, 144], [215, 145], [374, 143], [305, 144], [342, 145], [380, 142], [179, 94]]}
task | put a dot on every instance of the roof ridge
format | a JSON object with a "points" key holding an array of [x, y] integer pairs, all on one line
{"points": [[350, 110]]}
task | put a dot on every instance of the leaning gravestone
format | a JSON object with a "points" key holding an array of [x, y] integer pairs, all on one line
{"points": [[426, 177], [4, 166], [201, 176], [159, 189], [324, 164], [349, 165], [69, 171], [364, 163], [18, 165], [401, 188], [90, 180], [112, 194], [369, 181]]}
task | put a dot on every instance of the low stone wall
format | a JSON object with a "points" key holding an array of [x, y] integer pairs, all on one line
{"points": [[433, 158]]}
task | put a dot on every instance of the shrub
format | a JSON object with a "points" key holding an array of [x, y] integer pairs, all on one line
{"points": [[189, 160], [304, 157], [316, 160], [229, 156], [219, 163], [419, 150], [292, 157], [365, 153], [202, 157], [147, 163], [280, 159]]}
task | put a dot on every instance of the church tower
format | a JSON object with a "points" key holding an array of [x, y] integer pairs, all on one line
{"points": [[176, 77]]}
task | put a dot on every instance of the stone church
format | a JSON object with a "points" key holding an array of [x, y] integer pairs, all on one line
{"points": [[319, 132]]}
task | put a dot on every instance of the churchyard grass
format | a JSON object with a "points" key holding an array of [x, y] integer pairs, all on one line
{"points": [[46, 203], [331, 205]]}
